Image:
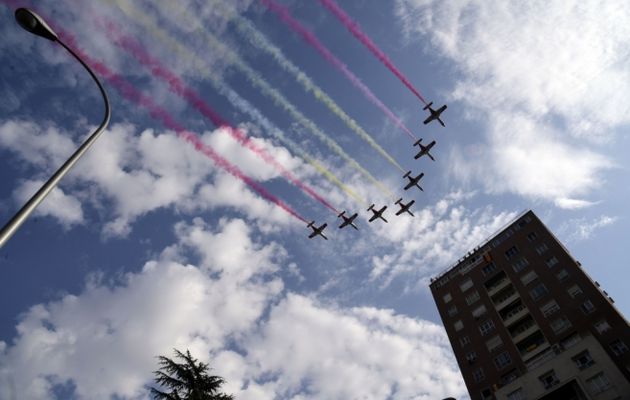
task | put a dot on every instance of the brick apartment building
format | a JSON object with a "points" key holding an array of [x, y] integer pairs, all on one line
{"points": [[526, 322]]}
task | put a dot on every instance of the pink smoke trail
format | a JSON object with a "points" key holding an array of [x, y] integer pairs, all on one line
{"points": [[355, 29], [162, 115], [177, 85], [309, 37]]}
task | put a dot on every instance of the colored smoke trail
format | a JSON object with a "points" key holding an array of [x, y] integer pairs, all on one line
{"points": [[354, 28], [257, 38], [178, 87], [256, 80], [311, 39], [131, 93], [245, 107]]}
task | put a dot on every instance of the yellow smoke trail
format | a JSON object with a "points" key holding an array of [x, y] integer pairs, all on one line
{"points": [[226, 54], [253, 35], [236, 100]]}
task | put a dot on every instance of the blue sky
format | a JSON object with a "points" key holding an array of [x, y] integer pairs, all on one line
{"points": [[148, 245]]}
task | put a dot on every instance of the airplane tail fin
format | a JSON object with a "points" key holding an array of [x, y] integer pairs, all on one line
{"points": [[398, 201], [407, 174], [371, 207], [418, 142], [340, 214], [428, 105], [310, 224]]}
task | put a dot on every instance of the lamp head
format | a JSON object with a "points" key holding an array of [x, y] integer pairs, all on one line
{"points": [[34, 24]]}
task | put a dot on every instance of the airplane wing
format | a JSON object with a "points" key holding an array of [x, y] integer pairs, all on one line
{"points": [[441, 109], [430, 145], [409, 185], [373, 218], [344, 223], [312, 235], [430, 156], [429, 119], [402, 210]]}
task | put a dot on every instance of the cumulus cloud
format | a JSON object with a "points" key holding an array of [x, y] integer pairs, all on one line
{"points": [[546, 77], [65, 208], [143, 172], [232, 312]]}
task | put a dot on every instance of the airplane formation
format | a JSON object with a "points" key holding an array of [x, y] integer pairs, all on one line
{"points": [[413, 182]]}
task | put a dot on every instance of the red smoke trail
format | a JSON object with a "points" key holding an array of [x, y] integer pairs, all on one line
{"points": [[177, 85], [310, 38], [354, 28], [162, 115]]}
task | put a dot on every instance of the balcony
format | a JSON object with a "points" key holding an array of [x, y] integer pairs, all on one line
{"points": [[540, 359], [504, 301], [525, 332], [497, 286], [515, 315], [534, 351]]}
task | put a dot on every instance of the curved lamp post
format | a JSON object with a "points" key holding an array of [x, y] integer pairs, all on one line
{"points": [[36, 25]]}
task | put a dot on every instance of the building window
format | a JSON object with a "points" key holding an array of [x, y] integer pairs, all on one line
{"points": [[447, 297], [471, 357], [472, 297], [509, 376], [550, 308], [583, 360], [563, 275], [587, 307], [531, 236], [486, 394], [598, 383], [560, 325], [494, 343], [486, 327], [618, 347], [574, 291], [570, 341], [479, 311], [549, 379], [458, 325], [602, 326], [452, 311], [540, 249], [519, 265], [551, 261], [467, 284], [538, 291], [518, 394], [488, 269], [502, 360], [529, 277], [511, 252], [478, 375]]}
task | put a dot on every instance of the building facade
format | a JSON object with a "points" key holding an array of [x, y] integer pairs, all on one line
{"points": [[526, 322]]}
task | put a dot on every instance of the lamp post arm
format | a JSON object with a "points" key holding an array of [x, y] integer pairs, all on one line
{"points": [[9, 229]]}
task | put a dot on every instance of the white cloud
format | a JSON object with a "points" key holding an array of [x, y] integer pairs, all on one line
{"points": [[149, 171], [65, 208], [573, 204], [300, 349], [582, 229], [438, 235], [545, 76]]}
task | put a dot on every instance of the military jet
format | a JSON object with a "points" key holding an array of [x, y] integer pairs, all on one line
{"points": [[404, 207], [435, 114], [377, 214], [316, 231], [413, 181], [424, 150], [347, 220]]}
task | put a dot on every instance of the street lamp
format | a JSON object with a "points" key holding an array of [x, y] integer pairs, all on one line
{"points": [[36, 25]]}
